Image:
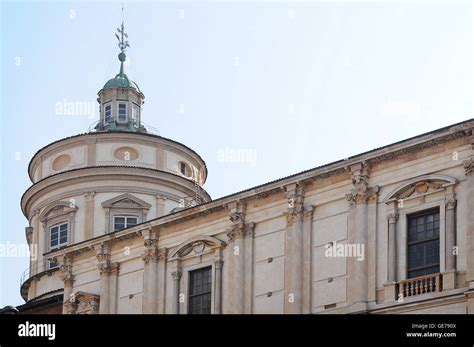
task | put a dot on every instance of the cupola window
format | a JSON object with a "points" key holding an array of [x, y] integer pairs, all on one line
{"points": [[135, 112], [107, 113], [122, 112]]}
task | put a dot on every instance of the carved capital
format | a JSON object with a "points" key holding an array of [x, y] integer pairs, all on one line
{"points": [[392, 218], [295, 209], [235, 232], [218, 263], [162, 253], [102, 252], [450, 203], [468, 166], [67, 278], [362, 193], [176, 274], [104, 268], [114, 268], [89, 195], [150, 254]]}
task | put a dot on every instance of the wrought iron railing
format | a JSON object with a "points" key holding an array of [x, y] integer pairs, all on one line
{"points": [[36, 268]]}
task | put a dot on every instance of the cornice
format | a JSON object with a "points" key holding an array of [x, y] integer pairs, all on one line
{"points": [[92, 137], [414, 144], [93, 173]]}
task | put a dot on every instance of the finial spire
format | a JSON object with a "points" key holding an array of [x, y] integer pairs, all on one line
{"points": [[123, 43]]}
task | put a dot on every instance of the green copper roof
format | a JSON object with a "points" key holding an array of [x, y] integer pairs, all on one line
{"points": [[121, 81]]}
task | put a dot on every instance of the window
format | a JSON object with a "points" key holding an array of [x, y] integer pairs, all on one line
{"points": [[200, 291], [423, 243], [58, 236], [107, 113], [122, 112], [122, 222], [185, 169], [57, 239], [135, 112]]}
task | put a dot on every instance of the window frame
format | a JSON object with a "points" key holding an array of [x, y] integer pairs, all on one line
{"points": [[135, 118], [108, 104], [51, 264], [126, 217], [119, 119], [424, 242], [190, 296], [412, 206]]}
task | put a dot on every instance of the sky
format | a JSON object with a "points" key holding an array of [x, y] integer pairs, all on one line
{"points": [[260, 89]]}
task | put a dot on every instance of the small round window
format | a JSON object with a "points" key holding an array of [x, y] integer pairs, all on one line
{"points": [[185, 169], [61, 162]]}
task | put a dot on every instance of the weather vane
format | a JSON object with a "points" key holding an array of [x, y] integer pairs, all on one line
{"points": [[123, 44]]}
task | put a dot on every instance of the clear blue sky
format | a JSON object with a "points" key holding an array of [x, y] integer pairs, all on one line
{"points": [[298, 84]]}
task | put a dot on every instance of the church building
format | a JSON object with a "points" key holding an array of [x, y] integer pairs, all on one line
{"points": [[122, 224]]}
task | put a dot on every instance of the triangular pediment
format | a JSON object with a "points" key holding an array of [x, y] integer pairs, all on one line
{"points": [[126, 201]]}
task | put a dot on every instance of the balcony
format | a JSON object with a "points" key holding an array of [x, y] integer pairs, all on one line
{"points": [[421, 285], [36, 270]]}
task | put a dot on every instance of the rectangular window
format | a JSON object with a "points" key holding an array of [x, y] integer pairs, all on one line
{"points": [[58, 236], [122, 112], [107, 113], [423, 243], [135, 112], [122, 222], [200, 291]]}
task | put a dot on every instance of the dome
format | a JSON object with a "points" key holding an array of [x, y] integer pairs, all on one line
{"points": [[121, 81]]}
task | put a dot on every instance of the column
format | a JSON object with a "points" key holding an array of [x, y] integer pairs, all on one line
{"points": [[176, 278], [218, 263], [104, 270], [450, 234], [307, 258], [392, 247], [249, 265], [469, 193], [357, 269], [160, 205], [104, 267], [89, 216], [68, 280], [113, 290], [235, 294], [150, 279], [294, 250], [162, 271]]}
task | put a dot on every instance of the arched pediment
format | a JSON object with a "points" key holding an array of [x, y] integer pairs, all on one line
{"points": [[57, 208], [419, 185], [199, 244]]}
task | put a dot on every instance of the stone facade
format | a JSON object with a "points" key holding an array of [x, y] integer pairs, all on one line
{"points": [[268, 246]]}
